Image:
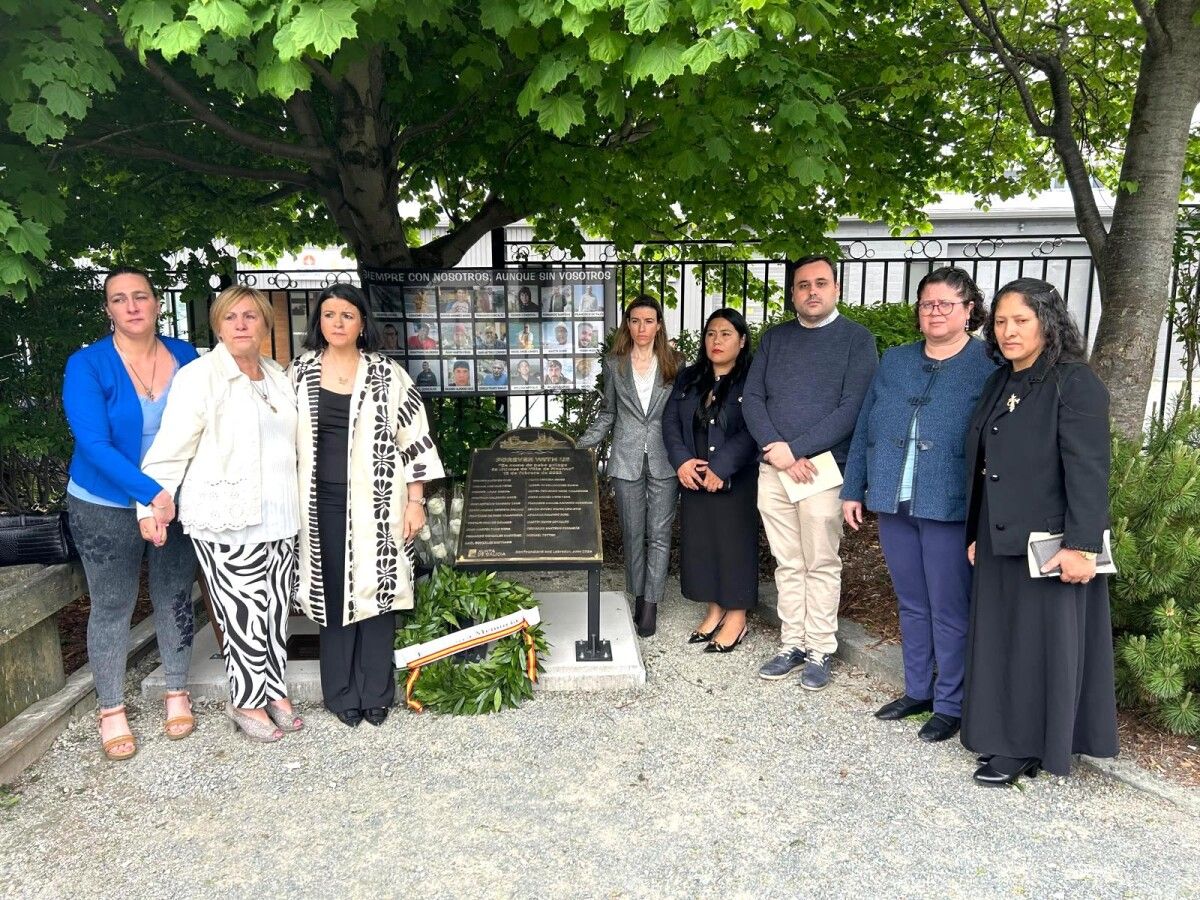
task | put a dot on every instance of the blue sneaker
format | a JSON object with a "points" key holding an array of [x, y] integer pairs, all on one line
{"points": [[782, 663], [815, 676]]}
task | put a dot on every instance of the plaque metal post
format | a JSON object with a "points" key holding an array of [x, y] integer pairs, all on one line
{"points": [[593, 649]]}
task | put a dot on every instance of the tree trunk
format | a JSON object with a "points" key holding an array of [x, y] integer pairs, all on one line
{"points": [[1136, 258]]}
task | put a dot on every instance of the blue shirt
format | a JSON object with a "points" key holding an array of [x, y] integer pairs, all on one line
{"points": [[104, 411]]}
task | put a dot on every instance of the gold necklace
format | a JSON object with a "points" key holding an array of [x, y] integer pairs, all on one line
{"points": [[341, 379], [262, 395], [148, 388]]}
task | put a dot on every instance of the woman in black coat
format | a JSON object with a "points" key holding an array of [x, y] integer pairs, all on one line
{"points": [[715, 459], [1039, 670]]}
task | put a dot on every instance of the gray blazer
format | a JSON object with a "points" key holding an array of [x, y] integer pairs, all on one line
{"points": [[636, 434]]}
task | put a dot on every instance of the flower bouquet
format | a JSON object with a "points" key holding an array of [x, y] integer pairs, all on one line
{"points": [[436, 542]]}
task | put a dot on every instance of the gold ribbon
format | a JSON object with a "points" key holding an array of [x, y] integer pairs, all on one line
{"points": [[414, 670]]}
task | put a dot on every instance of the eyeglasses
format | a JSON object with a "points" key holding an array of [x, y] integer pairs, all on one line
{"points": [[945, 307]]}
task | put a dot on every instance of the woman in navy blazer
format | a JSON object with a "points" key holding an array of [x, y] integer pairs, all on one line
{"points": [[906, 464], [114, 393], [715, 459]]}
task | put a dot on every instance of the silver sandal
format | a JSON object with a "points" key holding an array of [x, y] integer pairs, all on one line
{"points": [[288, 721], [251, 727]]}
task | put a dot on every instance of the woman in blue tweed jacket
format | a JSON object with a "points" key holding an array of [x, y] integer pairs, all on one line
{"points": [[906, 464]]}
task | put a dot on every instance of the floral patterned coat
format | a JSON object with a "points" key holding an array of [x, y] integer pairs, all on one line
{"points": [[389, 447]]}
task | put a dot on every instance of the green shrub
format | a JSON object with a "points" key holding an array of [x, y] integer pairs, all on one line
{"points": [[461, 424], [37, 335], [1155, 498]]}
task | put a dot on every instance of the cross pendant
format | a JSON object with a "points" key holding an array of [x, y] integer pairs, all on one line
{"points": [[1012, 402]]}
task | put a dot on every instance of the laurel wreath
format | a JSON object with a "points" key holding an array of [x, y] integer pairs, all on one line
{"points": [[449, 600]]}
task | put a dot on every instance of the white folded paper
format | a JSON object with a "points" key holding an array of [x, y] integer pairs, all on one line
{"points": [[828, 476]]}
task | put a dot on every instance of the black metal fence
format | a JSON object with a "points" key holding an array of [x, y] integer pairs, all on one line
{"points": [[693, 278]]}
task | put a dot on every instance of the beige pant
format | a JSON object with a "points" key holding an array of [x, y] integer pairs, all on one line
{"points": [[804, 539]]}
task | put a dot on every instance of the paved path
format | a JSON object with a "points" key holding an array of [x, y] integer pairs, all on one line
{"points": [[708, 782]]}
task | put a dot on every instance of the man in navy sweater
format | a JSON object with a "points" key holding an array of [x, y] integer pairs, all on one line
{"points": [[802, 397]]}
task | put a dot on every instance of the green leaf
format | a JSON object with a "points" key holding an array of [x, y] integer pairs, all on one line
{"points": [[607, 46], [36, 122], [177, 38], [225, 16], [321, 27], [499, 15], [646, 15], [8, 219], [64, 101], [736, 44], [282, 79], [28, 237], [701, 56], [146, 16], [610, 102], [559, 114], [661, 61]]}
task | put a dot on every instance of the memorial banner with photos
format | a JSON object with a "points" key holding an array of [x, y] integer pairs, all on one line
{"points": [[494, 331]]}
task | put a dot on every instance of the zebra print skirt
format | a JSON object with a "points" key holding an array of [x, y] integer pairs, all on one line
{"points": [[252, 588]]}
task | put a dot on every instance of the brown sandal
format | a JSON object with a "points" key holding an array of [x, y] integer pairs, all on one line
{"points": [[119, 739], [189, 720]]}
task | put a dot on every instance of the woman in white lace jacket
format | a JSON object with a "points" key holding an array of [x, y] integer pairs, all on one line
{"points": [[227, 443]]}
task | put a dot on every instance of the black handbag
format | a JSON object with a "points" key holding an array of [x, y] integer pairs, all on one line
{"points": [[35, 538]]}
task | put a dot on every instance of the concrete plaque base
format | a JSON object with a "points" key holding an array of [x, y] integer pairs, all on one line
{"points": [[564, 618]]}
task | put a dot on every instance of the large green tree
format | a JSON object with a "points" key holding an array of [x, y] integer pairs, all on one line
{"points": [[1099, 92], [159, 125]]}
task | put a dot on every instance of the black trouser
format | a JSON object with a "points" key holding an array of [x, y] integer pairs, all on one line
{"points": [[356, 659]]}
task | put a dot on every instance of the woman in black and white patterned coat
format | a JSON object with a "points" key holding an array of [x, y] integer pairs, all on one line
{"points": [[364, 452]]}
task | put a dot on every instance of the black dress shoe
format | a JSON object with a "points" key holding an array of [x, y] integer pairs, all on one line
{"points": [[376, 715], [1001, 770], [718, 647], [351, 717], [903, 707], [703, 637], [939, 727], [647, 622]]}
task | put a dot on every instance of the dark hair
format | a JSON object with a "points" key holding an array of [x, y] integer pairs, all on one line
{"points": [[127, 270], [460, 364], [701, 375], [622, 345], [1061, 334], [962, 284], [794, 266], [371, 336]]}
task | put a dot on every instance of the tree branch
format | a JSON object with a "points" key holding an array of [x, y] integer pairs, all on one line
{"points": [[450, 248], [1060, 130], [1156, 37], [204, 113], [324, 76], [1002, 50], [158, 154], [201, 110]]}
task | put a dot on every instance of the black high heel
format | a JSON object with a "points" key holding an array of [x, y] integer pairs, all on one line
{"points": [[992, 773], [703, 637], [376, 715], [718, 647], [351, 717]]}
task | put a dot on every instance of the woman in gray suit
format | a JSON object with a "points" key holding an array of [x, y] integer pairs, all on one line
{"points": [[637, 378]]}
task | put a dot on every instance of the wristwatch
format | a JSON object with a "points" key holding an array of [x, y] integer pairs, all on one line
{"points": [[1087, 554], [420, 501]]}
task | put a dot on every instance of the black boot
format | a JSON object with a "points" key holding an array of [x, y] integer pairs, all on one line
{"points": [[647, 622], [638, 603]]}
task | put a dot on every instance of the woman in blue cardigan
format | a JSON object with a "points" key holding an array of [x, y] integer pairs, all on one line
{"points": [[114, 393], [906, 464]]}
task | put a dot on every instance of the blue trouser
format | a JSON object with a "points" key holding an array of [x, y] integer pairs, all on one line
{"points": [[928, 563]]}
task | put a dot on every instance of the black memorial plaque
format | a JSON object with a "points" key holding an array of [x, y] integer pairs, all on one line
{"points": [[532, 499]]}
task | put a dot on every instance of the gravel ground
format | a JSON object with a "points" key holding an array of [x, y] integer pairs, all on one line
{"points": [[707, 782]]}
